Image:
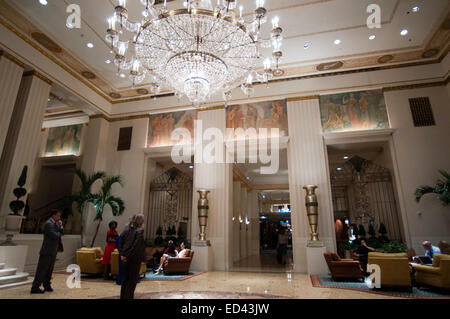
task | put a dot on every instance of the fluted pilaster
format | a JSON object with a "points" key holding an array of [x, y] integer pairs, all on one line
{"points": [[23, 139], [308, 166], [10, 77]]}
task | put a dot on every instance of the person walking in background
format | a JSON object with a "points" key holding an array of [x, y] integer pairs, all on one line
{"points": [[47, 256], [111, 237], [132, 253], [120, 276], [283, 240]]}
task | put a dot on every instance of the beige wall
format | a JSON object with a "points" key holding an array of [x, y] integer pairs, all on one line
{"points": [[420, 152]]}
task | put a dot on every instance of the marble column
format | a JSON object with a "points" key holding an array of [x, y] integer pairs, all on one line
{"points": [[22, 143], [254, 228], [11, 71], [217, 178], [307, 160]]}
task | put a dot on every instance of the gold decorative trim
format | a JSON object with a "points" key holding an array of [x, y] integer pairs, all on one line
{"points": [[38, 75], [416, 86], [211, 108], [302, 98], [118, 119], [12, 58]]}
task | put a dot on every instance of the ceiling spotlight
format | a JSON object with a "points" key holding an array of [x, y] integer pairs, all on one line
{"points": [[108, 61], [43, 2], [122, 75], [306, 46], [339, 168], [346, 157], [404, 32], [337, 41], [191, 166], [415, 9], [248, 178], [372, 37], [90, 45]]}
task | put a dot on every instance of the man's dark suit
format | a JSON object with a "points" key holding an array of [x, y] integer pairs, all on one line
{"points": [[132, 247], [47, 256]]}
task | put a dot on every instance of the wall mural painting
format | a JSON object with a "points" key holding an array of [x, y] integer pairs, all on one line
{"points": [[271, 114], [162, 125], [365, 110], [64, 140]]}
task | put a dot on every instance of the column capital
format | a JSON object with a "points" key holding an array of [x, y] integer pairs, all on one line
{"points": [[12, 58], [302, 98], [38, 75]]}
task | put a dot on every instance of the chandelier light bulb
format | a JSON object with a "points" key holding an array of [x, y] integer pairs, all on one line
{"points": [[241, 8], [259, 4], [122, 48], [136, 65], [267, 64], [123, 3], [275, 22], [250, 79]]}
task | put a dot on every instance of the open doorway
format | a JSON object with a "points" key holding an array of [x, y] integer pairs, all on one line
{"points": [[364, 196], [262, 228]]}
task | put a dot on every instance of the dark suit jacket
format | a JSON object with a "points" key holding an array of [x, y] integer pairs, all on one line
{"points": [[52, 238], [132, 244]]}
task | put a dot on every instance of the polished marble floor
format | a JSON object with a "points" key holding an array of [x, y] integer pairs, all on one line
{"points": [[207, 285]]}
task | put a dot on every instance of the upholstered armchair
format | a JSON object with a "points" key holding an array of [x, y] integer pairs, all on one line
{"points": [[394, 269], [437, 275], [115, 264], [343, 268], [179, 265], [444, 247], [90, 260]]}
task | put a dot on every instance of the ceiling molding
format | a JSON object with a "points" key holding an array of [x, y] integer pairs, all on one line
{"points": [[129, 94], [12, 58]]}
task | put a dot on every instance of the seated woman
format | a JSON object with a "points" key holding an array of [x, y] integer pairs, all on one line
{"points": [[179, 254]]}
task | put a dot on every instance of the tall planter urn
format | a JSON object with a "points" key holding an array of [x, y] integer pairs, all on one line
{"points": [[203, 208], [312, 210]]}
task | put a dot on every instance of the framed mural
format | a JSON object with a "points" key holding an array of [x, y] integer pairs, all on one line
{"points": [[270, 114], [162, 125], [365, 110], [63, 140]]}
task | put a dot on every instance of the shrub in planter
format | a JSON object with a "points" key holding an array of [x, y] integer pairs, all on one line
{"points": [[374, 242], [383, 238], [393, 247], [361, 232]]}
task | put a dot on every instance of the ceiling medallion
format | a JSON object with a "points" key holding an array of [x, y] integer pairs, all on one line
{"points": [[430, 53], [115, 95], [385, 59], [197, 50], [46, 42], [88, 75], [330, 66], [142, 91]]}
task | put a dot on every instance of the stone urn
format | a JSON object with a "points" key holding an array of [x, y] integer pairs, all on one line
{"points": [[203, 208], [13, 223], [312, 210]]}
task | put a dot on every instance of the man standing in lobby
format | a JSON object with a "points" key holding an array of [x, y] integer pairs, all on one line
{"points": [[50, 246]]}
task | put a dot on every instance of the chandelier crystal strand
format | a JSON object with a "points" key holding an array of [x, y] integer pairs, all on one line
{"points": [[197, 50]]}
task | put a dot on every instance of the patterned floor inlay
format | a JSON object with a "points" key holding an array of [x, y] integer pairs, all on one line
{"points": [[202, 295]]}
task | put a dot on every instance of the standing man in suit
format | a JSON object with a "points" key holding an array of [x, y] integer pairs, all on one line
{"points": [[132, 254], [51, 245]]}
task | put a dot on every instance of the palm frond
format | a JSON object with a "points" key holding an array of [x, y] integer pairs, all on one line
{"points": [[445, 174], [117, 205], [109, 182]]}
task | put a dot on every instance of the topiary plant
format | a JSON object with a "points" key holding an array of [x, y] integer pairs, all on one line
{"points": [[371, 231], [383, 238], [17, 205], [361, 231], [393, 247]]}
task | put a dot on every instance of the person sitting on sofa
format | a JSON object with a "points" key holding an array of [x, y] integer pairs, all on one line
{"points": [[179, 254], [362, 252], [430, 250]]}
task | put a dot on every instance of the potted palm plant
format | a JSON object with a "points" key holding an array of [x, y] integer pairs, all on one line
{"points": [[104, 198], [83, 196], [442, 189]]}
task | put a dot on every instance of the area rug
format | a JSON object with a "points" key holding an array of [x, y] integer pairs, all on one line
{"points": [[148, 276], [325, 281]]}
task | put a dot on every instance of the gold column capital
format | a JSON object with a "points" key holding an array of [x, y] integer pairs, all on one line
{"points": [[12, 58], [302, 98], [38, 75]]}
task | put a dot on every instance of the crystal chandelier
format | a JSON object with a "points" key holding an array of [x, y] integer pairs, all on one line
{"points": [[196, 50]]}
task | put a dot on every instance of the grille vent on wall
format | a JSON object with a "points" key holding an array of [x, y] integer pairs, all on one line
{"points": [[421, 111], [125, 134]]}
